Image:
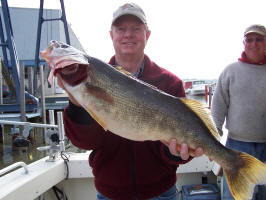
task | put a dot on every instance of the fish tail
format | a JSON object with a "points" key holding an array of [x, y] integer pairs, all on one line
{"points": [[247, 173]]}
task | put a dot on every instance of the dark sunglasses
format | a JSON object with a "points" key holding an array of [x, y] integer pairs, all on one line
{"points": [[257, 39]]}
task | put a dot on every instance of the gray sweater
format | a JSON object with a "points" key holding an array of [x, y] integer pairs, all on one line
{"points": [[240, 98]]}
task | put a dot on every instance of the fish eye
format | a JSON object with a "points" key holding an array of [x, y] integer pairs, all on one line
{"points": [[53, 43], [64, 46]]}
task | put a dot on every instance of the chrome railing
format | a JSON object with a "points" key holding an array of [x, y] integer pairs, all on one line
{"points": [[14, 166], [52, 148]]}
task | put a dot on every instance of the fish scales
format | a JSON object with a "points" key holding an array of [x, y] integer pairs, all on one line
{"points": [[138, 111], [135, 106]]}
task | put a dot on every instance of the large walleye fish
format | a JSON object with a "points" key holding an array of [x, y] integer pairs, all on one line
{"points": [[138, 111]]}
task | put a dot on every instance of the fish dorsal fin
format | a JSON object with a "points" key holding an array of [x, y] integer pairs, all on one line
{"points": [[121, 69], [201, 111]]}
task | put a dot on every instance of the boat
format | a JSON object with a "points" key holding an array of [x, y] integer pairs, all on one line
{"points": [[195, 87], [67, 175]]}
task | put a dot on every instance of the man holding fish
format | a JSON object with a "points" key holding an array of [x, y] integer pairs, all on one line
{"points": [[126, 169], [128, 122]]}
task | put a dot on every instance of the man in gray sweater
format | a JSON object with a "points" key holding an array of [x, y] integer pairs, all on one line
{"points": [[240, 98]]}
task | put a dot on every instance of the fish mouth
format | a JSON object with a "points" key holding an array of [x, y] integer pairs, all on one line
{"points": [[73, 74], [71, 69], [53, 44]]}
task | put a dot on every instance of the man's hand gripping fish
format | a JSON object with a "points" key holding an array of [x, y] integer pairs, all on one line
{"points": [[138, 111]]}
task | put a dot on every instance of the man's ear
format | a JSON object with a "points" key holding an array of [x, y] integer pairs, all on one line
{"points": [[148, 35], [111, 34]]}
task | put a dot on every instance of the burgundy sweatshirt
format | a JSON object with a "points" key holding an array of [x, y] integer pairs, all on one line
{"points": [[126, 169]]}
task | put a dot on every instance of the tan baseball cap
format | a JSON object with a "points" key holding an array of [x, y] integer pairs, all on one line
{"points": [[129, 9], [256, 28]]}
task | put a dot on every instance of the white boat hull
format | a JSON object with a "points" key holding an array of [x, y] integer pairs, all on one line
{"points": [[44, 175], [197, 92]]}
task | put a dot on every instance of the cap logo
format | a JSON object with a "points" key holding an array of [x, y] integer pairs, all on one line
{"points": [[126, 6]]}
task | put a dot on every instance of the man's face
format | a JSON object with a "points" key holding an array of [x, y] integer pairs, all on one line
{"points": [[129, 36], [255, 46]]}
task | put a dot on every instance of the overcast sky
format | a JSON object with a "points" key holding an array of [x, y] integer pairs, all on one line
{"points": [[191, 38]]}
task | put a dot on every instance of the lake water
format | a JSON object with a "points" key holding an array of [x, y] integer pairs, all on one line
{"points": [[198, 98], [10, 154]]}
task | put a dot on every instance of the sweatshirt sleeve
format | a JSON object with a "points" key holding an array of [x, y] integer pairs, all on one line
{"points": [[173, 86], [179, 91], [82, 130], [220, 102]]}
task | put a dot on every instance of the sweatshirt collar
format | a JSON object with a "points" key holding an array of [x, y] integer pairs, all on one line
{"points": [[244, 58], [137, 74]]}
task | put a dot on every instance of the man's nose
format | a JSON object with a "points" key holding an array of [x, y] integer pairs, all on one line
{"points": [[129, 33]]}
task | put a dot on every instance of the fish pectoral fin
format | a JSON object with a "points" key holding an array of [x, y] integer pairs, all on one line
{"points": [[99, 93], [97, 119], [201, 111]]}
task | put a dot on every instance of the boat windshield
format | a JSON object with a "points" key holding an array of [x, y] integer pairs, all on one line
{"points": [[198, 82]]}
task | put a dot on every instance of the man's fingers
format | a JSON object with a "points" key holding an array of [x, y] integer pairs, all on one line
{"points": [[184, 151], [198, 152], [172, 147]]}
